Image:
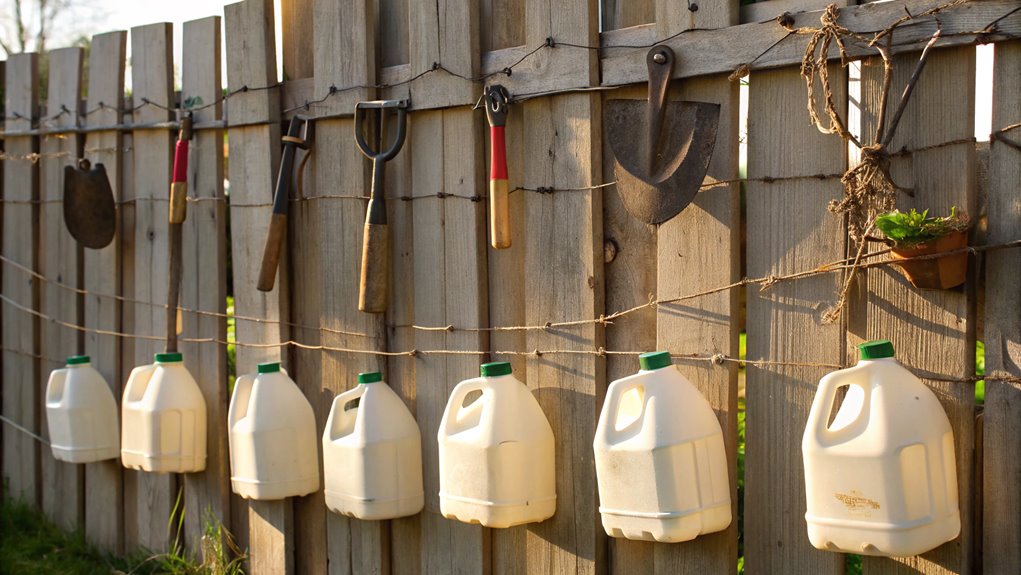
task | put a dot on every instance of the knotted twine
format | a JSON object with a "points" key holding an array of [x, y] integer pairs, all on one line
{"points": [[869, 189]]}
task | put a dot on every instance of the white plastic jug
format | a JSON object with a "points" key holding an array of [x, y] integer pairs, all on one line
{"points": [[496, 453], [661, 463], [372, 453], [164, 418], [272, 436], [881, 478], [81, 413]]}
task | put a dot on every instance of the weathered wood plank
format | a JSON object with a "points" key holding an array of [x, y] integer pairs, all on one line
{"points": [[445, 32], [619, 14], [1001, 513], [344, 545], [59, 258], [298, 52], [502, 24], [353, 546], [785, 322], [763, 11], [393, 32], [204, 281], [564, 279], [343, 27], [450, 288], [630, 259], [21, 370], [405, 533], [152, 72], [104, 496], [933, 331], [507, 307], [251, 61]]}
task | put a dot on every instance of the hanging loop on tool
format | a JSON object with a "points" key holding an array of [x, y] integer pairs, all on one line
{"points": [[497, 99]]}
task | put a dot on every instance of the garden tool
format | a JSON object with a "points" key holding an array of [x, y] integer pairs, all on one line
{"points": [[659, 177], [281, 200], [499, 209], [177, 213], [375, 272], [90, 213]]}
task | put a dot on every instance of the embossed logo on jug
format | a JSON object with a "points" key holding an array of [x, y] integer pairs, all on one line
{"points": [[857, 503]]}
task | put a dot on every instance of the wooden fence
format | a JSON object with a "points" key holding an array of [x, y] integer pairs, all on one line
{"points": [[577, 259]]}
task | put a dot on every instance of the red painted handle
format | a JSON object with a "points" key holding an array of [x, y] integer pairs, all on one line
{"points": [[499, 152], [181, 161]]}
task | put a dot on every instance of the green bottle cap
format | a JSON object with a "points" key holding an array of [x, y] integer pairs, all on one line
{"points": [[78, 359], [878, 349], [268, 367], [654, 360], [168, 357], [495, 369], [370, 377]]}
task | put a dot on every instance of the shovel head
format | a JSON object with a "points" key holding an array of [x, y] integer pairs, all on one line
{"points": [[656, 182], [89, 210]]}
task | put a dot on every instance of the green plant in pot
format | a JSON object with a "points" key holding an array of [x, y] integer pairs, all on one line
{"points": [[913, 234]]}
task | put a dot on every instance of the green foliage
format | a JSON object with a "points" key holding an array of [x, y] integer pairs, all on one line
{"points": [[909, 228], [31, 544], [980, 369]]}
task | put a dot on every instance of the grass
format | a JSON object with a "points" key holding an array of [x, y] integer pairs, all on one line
{"points": [[32, 544]]}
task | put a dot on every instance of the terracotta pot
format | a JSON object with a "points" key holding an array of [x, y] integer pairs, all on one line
{"points": [[935, 273]]}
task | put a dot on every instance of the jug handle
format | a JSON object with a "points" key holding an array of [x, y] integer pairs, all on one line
{"points": [[822, 406], [613, 407], [457, 397], [55, 387], [239, 400], [338, 411], [138, 382]]}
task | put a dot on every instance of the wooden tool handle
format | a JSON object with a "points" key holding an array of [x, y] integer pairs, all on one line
{"points": [[499, 214], [372, 289], [271, 253], [174, 288], [499, 210]]}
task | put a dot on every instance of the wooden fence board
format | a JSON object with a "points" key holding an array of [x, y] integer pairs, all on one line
{"points": [[255, 153], [21, 370], [789, 228], [297, 18], [502, 24], [564, 279], [152, 78], [445, 32], [204, 278], [450, 288], [405, 533], [59, 255], [698, 250], [350, 545], [104, 501], [354, 546], [630, 259], [507, 307], [933, 331], [1002, 504]]}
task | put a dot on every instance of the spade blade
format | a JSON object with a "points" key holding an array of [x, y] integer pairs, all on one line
{"points": [[655, 185], [90, 213]]}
